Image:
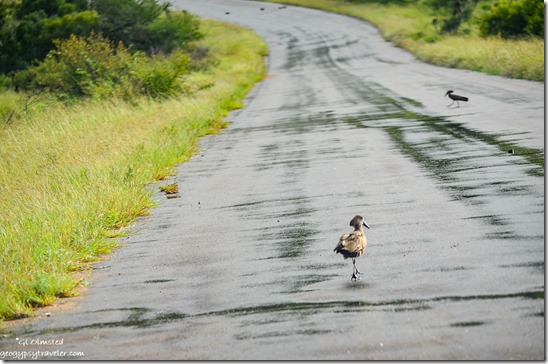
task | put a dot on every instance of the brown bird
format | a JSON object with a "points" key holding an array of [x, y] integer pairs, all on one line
{"points": [[456, 98], [352, 245]]}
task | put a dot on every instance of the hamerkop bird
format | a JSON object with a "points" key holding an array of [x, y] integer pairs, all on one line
{"points": [[352, 245], [456, 98]]}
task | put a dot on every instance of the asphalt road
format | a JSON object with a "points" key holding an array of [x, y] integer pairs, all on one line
{"points": [[241, 265]]}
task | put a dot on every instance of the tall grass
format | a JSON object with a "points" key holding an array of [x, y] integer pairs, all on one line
{"points": [[522, 58], [410, 26], [73, 177]]}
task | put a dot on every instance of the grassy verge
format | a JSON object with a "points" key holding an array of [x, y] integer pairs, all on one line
{"points": [[409, 26], [73, 177]]}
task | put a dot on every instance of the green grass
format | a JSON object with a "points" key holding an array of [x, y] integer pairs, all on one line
{"points": [[409, 25], [72, 177], [523, 59]]}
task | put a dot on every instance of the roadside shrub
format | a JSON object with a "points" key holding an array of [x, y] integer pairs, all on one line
{"points": [[510, 19], [146, 25], [127, 20], [94, 67], [50, 7], [28, 27], [160, 76], [173, 30], [80, 23], [78, 66], [459, 12]]}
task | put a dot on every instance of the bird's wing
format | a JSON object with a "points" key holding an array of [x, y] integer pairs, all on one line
{"points": [[459, 97], [349, 242], [342, 242]]}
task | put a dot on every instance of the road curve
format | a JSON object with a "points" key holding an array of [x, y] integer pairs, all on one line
{"points": [[241, 266]]}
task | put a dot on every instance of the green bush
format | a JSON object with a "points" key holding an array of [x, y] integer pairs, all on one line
{"points": [[28, 27], [50, 7], [80, 23], [514, 18], [172, 31], [457, 12], [78, 66], [160, 76], [95, 67], [145, 25], [127, 20]]}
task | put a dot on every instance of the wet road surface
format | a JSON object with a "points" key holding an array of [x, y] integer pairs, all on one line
{"points": [[241, 265]]}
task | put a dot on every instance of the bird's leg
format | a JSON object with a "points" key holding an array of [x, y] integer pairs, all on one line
{"points": [[458, 105], [354, 270], [451, 103]]}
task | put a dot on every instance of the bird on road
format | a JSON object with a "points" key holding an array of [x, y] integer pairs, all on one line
{"points": [[352, 245], [456, 98]]}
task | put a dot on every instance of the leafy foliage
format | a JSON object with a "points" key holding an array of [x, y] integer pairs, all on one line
{"points": [[511, 18], [507, 18], [459, 10], [127, 20], [174, 30], [96, 67], [28, 28]]}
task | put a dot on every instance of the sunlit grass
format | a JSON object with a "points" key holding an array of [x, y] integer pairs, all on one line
{"points": [[510, 58], [73, 177], [410, 26]]}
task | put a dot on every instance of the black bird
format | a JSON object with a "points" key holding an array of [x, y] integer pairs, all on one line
{"points": [[456, 98], [352, 245]]}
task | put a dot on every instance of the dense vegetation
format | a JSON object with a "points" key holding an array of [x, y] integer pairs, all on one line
{"points": [[500, 37], [511, 19], [95, 48], [505, 18], [76, 167]]}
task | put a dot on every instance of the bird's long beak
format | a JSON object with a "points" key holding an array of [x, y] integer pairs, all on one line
{"points": [[447, 93], [365, 224]]}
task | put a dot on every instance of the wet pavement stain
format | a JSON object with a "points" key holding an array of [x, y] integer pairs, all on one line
{"points": [[458, 130], [159, 280], [282, 334], [468, 324], [534, 265], [291, 241], [138, 317], [301, 283]]}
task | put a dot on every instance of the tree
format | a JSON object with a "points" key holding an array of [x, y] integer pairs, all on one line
{"points": [[127, 20], [510, 18], [27, 28], [459, 10]]}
